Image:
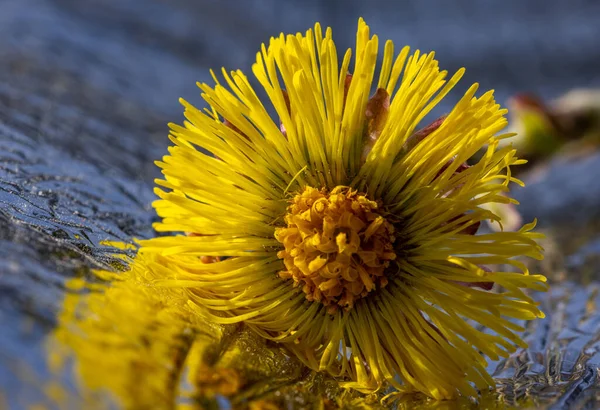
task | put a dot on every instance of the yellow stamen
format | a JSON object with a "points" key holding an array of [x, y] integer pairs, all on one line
{"points": [[337, 245]]}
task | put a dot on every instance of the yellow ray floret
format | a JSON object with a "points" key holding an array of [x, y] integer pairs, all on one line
{"points": [[344, 229]]}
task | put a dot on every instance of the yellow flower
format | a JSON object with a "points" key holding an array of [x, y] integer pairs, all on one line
{"points": [[342, 231], [127, 340]]}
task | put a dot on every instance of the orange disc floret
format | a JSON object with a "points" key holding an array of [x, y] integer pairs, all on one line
{"points": [[337, 245]]}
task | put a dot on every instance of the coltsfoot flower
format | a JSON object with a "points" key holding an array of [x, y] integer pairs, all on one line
{"points": [[341, 227]]}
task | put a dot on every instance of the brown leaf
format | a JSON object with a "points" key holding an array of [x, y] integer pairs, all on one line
{"points": [[377, 111]]}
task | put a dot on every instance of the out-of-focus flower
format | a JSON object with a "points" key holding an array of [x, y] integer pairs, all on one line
{"points": [[342, 231], [128, 340], [139, 346]]}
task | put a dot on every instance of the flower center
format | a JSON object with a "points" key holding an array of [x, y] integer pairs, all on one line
{"points": [[337, 246]]}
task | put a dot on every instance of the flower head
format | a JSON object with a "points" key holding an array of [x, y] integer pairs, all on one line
{"points": [[342, 230]]}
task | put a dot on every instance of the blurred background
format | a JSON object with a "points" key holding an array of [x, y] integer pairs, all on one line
{"points": [[88, 86]]}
